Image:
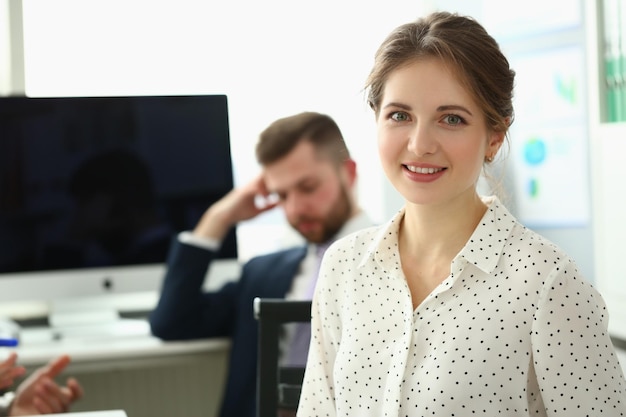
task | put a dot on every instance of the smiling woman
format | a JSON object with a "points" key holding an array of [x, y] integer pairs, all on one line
{"points": [[453, 289]]}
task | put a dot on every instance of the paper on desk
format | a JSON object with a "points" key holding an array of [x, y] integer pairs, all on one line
{"points": [[103, 413]]}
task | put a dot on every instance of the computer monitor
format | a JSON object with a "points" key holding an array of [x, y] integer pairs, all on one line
{"points": [[93, 189]]}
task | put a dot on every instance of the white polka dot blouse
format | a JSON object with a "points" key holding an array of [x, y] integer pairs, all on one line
{"points": [[515, 330]]}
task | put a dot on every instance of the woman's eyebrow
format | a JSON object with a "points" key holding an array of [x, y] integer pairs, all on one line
{"points": [[448, 107], [395, 104]]}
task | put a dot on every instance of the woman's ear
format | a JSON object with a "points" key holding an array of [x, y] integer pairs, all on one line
{"points": [[496, 138]]}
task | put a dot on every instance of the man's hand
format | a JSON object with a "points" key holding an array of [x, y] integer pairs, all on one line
{"points": [[239, 204], [40, 394]]}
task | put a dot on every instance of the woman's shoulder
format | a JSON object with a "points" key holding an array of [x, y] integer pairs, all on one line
{"points": [[366, 235], [527, 239], [368, 240], [516, 234]]}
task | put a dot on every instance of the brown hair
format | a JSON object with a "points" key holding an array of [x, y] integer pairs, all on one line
{"points": [[461, 43], [282, 136]]}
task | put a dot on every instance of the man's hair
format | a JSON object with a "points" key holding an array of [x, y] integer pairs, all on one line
{"points": [[284, 134]]}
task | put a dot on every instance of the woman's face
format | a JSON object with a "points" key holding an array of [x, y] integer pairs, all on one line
{"points": [[432, 136]]}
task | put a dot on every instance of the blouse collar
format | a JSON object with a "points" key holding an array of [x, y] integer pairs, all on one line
{"points": [[483, 248]]}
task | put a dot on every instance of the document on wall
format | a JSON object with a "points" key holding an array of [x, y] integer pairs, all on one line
{"points": [[549, 150]]}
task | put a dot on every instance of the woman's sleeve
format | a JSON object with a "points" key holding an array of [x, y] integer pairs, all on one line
{"points": [[318, 396], [576, 365], [6, 400]]}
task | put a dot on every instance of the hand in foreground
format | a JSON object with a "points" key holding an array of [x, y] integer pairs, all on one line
{"points": [[9, 371], [40, 394]]}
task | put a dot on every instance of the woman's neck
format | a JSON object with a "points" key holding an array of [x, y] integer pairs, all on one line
{"points": [[440, 231]]}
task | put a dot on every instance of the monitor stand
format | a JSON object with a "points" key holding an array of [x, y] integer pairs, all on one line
{"points": [[95, 317], [86, 320], [110, 316]]}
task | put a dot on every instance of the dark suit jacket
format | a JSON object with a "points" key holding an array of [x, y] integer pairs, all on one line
{"points": [[184, 311]]}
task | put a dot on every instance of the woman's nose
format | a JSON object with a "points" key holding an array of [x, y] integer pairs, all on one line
{"points": [[421, 141]]}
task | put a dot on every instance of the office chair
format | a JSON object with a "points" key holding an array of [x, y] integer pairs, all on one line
{"points": [[278, 388]]}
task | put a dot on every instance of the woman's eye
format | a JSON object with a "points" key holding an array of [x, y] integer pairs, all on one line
{"points": [[453, 119], [399, 116]]}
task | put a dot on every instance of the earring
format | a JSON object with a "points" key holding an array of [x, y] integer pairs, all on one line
{"points": [[488, 158]]}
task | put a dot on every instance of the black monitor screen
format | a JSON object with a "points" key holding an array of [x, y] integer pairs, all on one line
{"points": [[107, 181]]}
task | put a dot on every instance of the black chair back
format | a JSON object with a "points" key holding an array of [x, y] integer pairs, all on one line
{"points": [[278, 388]]}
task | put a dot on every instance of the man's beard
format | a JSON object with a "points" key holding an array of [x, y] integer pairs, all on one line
{"points": [[339, 214]]}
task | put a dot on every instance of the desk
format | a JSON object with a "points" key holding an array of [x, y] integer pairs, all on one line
{"points": [[136, 372]]}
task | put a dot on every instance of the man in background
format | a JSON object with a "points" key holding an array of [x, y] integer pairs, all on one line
{"points": [[307, 170]]}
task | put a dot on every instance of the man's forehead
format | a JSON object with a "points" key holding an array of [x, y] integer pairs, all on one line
{"points": [[280, 180], [277, 182]]}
